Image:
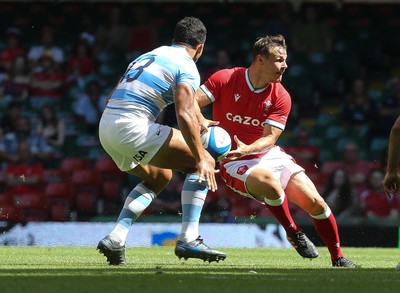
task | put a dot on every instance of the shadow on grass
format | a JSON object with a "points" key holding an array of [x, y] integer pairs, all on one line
{"points": [[182, 270], [181, 278]]}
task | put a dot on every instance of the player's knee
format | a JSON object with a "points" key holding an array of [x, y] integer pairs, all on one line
{"points": [[158, 180], [163, 178], [259, 198], [318, 206], [264, 185]]}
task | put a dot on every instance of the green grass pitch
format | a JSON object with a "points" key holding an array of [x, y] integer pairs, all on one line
{"points": [[157, 269]]}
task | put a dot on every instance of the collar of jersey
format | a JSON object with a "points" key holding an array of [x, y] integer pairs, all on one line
{"points": [[252, 88], [180, 47]]}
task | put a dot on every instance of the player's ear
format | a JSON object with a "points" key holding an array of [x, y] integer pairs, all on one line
{"points": [[199, 49], [260, 58]]}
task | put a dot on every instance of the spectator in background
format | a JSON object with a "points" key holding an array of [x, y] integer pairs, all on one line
{"points": [[90, 105], [305, 154], [25, 174], [47, 83], [339, 194], [310, 34], [142, 36], [16, 83], [41, 151], [113, 35], [10, 118], [80, 64], [12, 49], [46, 47], [390, 107], [281, 23], [50, 128], [89, 27], [374, 203], [357, 168], [222, 60], [358, 111]]}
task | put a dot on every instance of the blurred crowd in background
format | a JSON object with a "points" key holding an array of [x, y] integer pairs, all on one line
{"points": [[59, 61]]}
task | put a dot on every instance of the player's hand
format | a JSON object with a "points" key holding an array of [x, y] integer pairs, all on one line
{"points": [[207, 171], [391, 184], [241, 150], [205, 123]]}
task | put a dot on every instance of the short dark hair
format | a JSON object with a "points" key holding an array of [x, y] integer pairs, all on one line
{"points": [[190, 31], [263, 45]]}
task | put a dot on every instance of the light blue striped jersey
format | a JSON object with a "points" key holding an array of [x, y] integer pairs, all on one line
{"points": [[150, 81]]}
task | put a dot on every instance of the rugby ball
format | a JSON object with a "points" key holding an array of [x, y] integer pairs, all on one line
{"points": [[217, 142]]}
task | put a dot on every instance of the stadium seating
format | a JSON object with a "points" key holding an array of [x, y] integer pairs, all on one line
{"points": [[4, 199], [83, 177], [309, 77], [33, 206], [60, 198], [377, 148], [33, 200], [110, 177], [85, 189], [59, 212], [11, 213], [111, 190], [106, 166], [70, 164], [53, 175], [86, 202], [58, 191]]}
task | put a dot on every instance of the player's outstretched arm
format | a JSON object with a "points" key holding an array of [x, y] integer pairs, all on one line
{"points": [[189, 126], [269, 138], [391, 181], [204, 123], [201, 100]]}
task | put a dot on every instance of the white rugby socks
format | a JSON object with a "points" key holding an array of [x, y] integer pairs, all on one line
{"points": [[194, 194], [136, 202]]}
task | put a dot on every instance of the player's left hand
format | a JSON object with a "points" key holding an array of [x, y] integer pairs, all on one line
{"points": [[391, 184], [241, 150]]}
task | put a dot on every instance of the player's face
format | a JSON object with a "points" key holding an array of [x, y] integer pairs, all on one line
{"points": [[275, 65]]}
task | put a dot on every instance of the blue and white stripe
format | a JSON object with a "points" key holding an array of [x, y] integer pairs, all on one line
{"points": [[136, 202], [151, 80]]}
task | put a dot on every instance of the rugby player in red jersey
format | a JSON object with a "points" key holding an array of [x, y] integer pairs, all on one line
{"points": [[253, 106]]}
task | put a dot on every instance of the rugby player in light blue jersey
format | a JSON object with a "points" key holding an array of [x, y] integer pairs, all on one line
{"points": [[141, 147]]}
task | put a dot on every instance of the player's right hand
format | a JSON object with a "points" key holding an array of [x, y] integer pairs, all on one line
{"points": [[391, 184], [205, 123], [207, 171]]}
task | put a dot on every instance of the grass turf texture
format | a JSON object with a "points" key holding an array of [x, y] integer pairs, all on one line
{"points": [[157, 269]]}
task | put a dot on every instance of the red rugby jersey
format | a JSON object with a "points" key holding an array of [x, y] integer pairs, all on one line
{"points": [[242, 109]]}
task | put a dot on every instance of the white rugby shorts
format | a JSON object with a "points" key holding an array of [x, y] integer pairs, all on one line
{"points": [[235, 173], [130, 139]]}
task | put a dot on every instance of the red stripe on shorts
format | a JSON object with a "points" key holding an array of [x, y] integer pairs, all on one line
{"points": [[232, 182]]}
